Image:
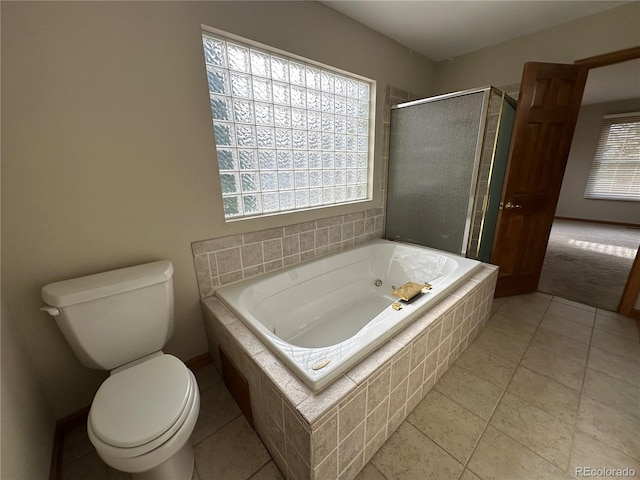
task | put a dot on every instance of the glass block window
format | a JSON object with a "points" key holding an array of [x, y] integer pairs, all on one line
{"points": [[289, 134], [615, 171]]}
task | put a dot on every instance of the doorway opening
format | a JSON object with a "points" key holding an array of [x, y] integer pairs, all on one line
{"points": [[593, 244], [549, 102], [589, 262]]}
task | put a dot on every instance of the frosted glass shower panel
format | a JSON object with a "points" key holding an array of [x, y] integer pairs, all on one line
{"points": [[433, 165]]}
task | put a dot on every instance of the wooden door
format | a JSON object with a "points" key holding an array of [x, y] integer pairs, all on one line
{"points": [[548, 106]]}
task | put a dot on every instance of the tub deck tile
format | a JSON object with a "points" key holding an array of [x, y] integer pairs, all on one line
{"points": [[374, 361], [314, 407], [467, 288], [244, 337], [273, 368], [296, 392], [221, 312], [414, 329]]}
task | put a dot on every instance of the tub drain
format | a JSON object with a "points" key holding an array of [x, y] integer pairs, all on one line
{"points": [[377, 282]]}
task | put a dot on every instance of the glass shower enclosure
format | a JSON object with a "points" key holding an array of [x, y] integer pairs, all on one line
{"points": [[447, 161]]}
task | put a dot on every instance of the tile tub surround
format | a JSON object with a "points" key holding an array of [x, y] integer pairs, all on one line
{"points": [[223, 260], [334, 433]]}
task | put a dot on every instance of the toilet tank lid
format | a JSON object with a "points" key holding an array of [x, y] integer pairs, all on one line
{"points": [[105, 284]]}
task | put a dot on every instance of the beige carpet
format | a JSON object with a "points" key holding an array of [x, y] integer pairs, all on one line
{"points": [[589, 262]]}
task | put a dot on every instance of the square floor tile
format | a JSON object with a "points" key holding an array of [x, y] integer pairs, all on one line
{"points": [[410, 455], [268, 472], [496, 304], [470, 391], [563, 370], [615, 393], [89, 467], [535, 429], [617, 325], [485, 364], [626, 347], [535, 302], [610, 426], [217, 408], [234, 452], [469, 475], [622, 368], [521, 311], [506, 323], [582, 306], [560, 345], [501, 344], [369, 472], [76, 444], [500, 457], [567, 327], [207, 377], [572, 312], [546, 394], [448, 424], [589, 452]]}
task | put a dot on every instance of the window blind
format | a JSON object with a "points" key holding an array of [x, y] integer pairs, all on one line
{"points": [[615, 171]]}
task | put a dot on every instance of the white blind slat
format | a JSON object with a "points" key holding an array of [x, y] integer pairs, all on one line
{"points": [[615, 171]]}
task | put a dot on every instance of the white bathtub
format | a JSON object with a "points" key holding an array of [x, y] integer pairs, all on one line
{"points": [[330, 312]]}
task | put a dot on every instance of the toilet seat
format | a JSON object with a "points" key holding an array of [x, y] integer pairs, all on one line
{"points": [[121, 427]]}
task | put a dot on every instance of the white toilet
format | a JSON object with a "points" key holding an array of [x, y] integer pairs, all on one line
{"points": [[142, 416]]}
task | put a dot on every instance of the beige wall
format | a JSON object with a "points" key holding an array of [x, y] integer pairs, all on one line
{"points": [[108, 151], [501, 65], [27, 420], [571, 202]]}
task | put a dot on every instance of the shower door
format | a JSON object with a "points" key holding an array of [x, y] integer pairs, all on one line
{"points": [[434, 152]]}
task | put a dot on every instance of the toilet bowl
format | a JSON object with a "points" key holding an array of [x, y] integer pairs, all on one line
{"points": [[142, 417]]}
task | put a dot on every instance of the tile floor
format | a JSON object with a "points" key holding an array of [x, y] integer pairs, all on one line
{"points": [[547, 387]]}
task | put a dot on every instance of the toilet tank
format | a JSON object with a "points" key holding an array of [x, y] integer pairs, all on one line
{"points": [[115, 317]]}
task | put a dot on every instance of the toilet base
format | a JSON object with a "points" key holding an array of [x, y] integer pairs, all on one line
{"points": [[178, 467]]}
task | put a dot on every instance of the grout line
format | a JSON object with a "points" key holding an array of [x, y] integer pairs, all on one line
{"points": [[254, 474], [584, 376], [607, 373], [218, 429], [454, 401], [466, 465], [580, 393]]}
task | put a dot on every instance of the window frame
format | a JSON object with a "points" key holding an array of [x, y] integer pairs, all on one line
{"points": [[371, 119], [603, 170]]}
